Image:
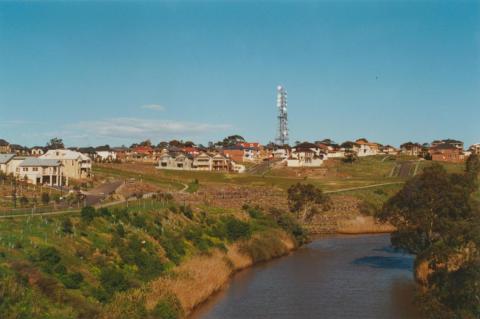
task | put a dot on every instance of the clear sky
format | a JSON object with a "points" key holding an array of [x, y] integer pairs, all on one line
{"points": [[118, 72]]}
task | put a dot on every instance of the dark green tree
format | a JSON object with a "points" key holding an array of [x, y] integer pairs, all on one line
{"points": [[55, 143]]}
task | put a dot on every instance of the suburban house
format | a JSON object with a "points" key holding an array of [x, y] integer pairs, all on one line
{"points": [[5, 159], [202, 162], [5, 147], [41, 171], [367, 148], [19, 150], [179, 162], [75, 164], [281, 153], [306, 155], [105, 154], [475, 149], [389, 149], [37, 151], [350, 147], [411, 149], [456, 143], [447, 153], [235, 153]]}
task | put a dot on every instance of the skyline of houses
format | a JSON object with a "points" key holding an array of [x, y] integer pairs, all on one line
{"points": [[54, 167]]}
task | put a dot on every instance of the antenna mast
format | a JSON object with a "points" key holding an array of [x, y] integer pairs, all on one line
{"points": [[282, 134]]}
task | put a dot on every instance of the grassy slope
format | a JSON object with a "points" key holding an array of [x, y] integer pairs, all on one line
{"points": [[157, 237]]}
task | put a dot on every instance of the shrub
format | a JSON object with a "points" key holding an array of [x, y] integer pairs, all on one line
{"points": [[45, 198], [88, 213], [174, 248], [72, 280], [67, 226], [113, 280], [288, 223], [48, 256], [23, 201], [237, 229], [367, 208], [168, 307], [139, 221], [187, 211], [104, 212]]}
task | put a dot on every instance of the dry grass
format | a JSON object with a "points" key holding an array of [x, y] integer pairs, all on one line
{"points": [[197, 279], [364, 225]]}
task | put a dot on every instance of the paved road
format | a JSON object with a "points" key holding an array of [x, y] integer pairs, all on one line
{"points": [[96, 195]]}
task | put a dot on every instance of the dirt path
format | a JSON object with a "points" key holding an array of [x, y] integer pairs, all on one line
{"points": [[361, 187]]}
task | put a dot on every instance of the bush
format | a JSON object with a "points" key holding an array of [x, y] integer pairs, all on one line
{"points": [[67, 226], [168, 307], [48, 256], [88, 213], [237, 229], [72, 280], [23, 201], [288, 223], [187, 211], [113, 280], [367, 208], [45, 198], [174, 248]]}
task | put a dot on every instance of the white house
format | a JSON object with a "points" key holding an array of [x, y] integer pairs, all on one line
{"points": [[106, 156], [306, 155], [5, 160], [40, 171], [75, 164]]}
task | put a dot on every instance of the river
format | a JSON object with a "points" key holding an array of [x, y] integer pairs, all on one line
{"points": [[336, 277]]}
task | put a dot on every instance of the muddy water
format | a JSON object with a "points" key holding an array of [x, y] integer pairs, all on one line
{"points": [[333, 277]]}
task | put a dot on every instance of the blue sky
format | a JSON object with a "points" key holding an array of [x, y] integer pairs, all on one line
{"points": [[118, 72]]}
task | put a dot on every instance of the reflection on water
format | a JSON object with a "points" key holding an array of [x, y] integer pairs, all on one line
{"points": [[387, 262], [333, 277]]}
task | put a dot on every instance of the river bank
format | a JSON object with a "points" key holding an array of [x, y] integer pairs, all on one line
{"points": [[201, 277]]}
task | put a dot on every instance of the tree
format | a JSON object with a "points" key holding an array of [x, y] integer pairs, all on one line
{"points": [[146, 143], [55, 143], [305, 199], [45, 198], [437, 219], [232, 140]]}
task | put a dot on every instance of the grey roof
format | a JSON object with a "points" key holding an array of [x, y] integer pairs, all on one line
{"points": [[34, 161], [5, 158]]}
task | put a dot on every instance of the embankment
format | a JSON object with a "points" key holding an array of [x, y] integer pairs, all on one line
{"points": [[194, 281]]}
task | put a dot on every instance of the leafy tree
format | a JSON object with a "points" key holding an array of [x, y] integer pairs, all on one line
{"points": [[232, 140], [437, 219], [45, 198], [305, 199], [55, 143], [146, 143]]}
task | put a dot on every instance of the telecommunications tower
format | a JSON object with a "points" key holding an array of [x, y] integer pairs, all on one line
{"points": [[282, 134]]}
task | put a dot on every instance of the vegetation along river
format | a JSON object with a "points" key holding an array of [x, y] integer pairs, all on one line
{"points": [[332, 277]]}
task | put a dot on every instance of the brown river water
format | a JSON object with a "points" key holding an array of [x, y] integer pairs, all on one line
{"points": [[344, 277]]}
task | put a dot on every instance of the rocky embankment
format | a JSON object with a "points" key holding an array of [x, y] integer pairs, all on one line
{"points": [[344, 217]]}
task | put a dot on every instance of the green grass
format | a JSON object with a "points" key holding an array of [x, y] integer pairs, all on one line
{"points": [[153, 179]]}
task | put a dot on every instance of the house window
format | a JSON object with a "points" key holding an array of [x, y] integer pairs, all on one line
{"points": [[25, 169], [35, 169]]}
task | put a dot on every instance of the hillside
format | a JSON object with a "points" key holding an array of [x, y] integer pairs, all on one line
{"points": [[81, 266]]}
